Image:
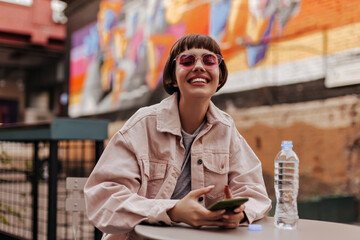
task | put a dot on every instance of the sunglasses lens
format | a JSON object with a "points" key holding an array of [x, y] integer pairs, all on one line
{"points": [[210, 60], [187, 60]]}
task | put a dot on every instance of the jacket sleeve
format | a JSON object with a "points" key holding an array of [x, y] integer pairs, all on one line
{"points": [[113, 202], [246, 179]]}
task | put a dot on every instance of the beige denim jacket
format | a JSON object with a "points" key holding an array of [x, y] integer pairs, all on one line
{"points": [[137, 172]]}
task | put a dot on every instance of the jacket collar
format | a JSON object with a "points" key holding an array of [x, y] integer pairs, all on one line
{"points": [[168, 118]]}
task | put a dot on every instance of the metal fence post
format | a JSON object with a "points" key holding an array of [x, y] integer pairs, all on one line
{"points": [[52, 185], [35, 191], [99, 148]]}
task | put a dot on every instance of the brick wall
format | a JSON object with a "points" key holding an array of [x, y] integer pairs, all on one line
{"points": [[325, 134]]}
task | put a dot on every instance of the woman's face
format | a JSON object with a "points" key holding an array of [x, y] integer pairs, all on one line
{"points": [[197, 73]]}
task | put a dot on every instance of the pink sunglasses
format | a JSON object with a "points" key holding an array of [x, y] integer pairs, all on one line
{"points": [[209, 60]]}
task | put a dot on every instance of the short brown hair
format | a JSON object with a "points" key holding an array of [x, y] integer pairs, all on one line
{"points": [[188, 42]]}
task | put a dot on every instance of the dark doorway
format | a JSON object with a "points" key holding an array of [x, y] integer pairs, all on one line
{"points": [[8, 111]]}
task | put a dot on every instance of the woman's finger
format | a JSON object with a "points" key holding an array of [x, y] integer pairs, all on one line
{"points": [[214, 215], [239, 209], [201, 191], [227, 192]]}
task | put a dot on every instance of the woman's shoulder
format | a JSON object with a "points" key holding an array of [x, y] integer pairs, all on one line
{"points": [[143, 114], [148, 114], [218, 115]]}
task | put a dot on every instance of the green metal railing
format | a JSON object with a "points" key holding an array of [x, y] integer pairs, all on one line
{"points": [[35, 160]]}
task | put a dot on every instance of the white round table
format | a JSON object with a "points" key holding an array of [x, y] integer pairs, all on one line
{"points": [[307, 230]]}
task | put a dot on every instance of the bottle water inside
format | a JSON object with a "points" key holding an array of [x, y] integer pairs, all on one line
{"points": [[286, 187]]}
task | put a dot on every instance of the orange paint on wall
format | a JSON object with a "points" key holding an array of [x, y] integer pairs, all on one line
{"points": [[106, 71], [77, 83], [193, 14], [197, 20], [116, 7], [238, 14], [117, 86], [320, 15], [154, 73]]}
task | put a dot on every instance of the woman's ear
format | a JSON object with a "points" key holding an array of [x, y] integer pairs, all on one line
{"points": [[175, 84]]}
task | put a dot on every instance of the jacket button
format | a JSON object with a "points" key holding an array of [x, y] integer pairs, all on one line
{"points": [[201, 199], [199, 161]]}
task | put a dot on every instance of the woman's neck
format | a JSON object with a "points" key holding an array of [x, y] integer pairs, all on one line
{"points": [[192, 113]]}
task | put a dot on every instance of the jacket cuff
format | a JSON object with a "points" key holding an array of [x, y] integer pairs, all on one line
{"points": [[251, 217], [158, 214]]}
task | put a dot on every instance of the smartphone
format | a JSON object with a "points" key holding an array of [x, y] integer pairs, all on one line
{"points": [[228, 204]]}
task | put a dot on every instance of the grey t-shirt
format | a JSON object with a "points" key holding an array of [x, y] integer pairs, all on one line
{"points": [[183, 184]]}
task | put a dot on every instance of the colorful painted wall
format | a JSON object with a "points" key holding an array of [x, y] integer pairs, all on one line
{"points": [[116, 62]]}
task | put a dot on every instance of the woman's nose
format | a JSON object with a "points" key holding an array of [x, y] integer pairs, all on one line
{"points": [[199, 65]]}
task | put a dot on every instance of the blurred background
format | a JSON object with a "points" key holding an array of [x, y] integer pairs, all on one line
{"points": [[294, 72]]}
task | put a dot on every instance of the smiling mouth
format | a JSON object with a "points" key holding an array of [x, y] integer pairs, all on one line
{"points": [[198, 80]]}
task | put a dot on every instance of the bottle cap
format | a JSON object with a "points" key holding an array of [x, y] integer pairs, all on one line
{"points": [[286, 145], [255, 227]]}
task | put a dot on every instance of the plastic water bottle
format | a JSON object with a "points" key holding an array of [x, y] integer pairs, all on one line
{"points": [[286, 187]]}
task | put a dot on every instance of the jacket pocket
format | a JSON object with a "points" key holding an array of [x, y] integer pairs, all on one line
{"points": [[157, 170], [216, 169], [154, 175]]}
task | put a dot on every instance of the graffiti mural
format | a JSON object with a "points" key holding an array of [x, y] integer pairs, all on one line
{"points": [[116, 62]]}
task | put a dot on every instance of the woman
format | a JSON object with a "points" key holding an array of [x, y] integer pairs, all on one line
{"points": [[172, 160]]}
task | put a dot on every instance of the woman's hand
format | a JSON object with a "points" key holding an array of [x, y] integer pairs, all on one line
{"points": [[233, 219], [190, 211]]}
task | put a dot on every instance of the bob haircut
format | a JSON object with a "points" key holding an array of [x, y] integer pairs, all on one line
{"points": [[185, 43]]}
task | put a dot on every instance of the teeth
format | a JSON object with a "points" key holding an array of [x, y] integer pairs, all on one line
{"points": [[196, 80]]}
